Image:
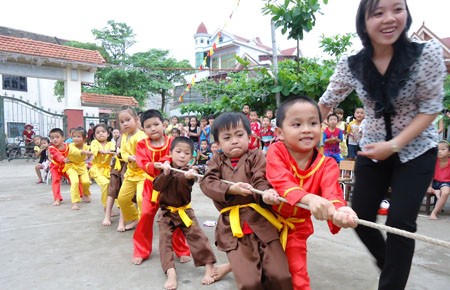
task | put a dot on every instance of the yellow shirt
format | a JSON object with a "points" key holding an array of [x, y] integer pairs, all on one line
{"points": [[101, 164], [77, 160], [128, 148]]}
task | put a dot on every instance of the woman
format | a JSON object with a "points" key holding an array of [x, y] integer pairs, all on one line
{"points": [[401, 86]]}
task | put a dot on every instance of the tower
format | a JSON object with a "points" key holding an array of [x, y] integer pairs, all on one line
{"points": [[202, 44]]}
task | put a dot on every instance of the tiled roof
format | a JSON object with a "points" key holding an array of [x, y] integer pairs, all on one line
{"points": [[7, 31], [43, 49], [107, 100], [202, 29], [446, 41], [289, 51]]}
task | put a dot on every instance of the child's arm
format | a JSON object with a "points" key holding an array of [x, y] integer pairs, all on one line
{"points": [[56, 155], [163, 180], [145, 160]]}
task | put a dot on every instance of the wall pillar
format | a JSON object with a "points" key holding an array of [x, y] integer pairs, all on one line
{"points": [[74, 119]]}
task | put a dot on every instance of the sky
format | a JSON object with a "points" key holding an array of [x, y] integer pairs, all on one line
{"points": [[171, 24]]}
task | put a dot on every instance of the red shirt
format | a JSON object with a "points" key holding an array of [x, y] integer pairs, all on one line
{"points": [[254, 142], [442, 174]]}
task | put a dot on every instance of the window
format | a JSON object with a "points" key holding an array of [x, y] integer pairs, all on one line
{"points": [[201, 40], [215, 62], [15, 129], [228, 61], [15, 83]]}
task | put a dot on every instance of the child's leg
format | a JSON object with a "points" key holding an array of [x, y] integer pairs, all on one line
{"points": [[56, 186], [130, 214], [108, 208], [74, 185], [445, 191], [180, 246], [103, 183], [37, 169], [171, 282], [139, 191], [143, 235], [165, 243], [296, 255], [86, 186]]}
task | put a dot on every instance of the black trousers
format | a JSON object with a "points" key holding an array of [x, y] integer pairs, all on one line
{"points": [[409, 182]]}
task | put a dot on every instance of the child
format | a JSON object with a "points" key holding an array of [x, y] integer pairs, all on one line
{"points": [[133, 182], [76, 168], [149, 153], [102, 151], [245, 229], [173, 124], [175, 132], [204, 130], [440, 186], [255, 126], [58, 152], [118, 169], [203, 155], [176, 213], [266, 134], [332, 136], [28, 135], [194, 131], [116, 136], [299, 173], [354, 134], [341, 125], [69, 140], [246, 110], [211, 119], [43, 162], [37, 145]]}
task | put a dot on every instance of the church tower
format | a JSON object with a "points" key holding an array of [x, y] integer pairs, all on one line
{"points": [[202, 44]]}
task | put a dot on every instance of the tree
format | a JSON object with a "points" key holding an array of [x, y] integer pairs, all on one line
{"points": [[294, 16]]}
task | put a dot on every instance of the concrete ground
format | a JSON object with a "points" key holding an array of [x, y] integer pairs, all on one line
{"points": [[46, 247]]}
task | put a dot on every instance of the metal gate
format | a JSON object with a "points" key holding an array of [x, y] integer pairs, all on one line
{"points": [[15, 114]]}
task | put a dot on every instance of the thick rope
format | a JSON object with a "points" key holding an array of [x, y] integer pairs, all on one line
{"points": [[369, 224]]}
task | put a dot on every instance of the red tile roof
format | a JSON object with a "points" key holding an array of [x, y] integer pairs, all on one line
{"points": [[43, 49], [107, 100], [446, 41], [202, 29], [289, 51]]}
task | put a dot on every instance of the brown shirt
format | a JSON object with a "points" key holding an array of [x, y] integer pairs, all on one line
{"points": [[175, 190], [251, 169]]}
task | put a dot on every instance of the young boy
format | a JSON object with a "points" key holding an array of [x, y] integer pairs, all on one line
{"points": [[245, 230], [354, 133], [211, 119], [246, 110], [149, 153], [43, 162], [255, 127], [203, 155], [332, 136], [58, 152], [176, 213], [266, 134], [76, 169], [204, 130], [299, 173]]}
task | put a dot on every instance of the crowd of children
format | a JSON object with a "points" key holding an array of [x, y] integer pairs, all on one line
{"points": [[280, 157]]}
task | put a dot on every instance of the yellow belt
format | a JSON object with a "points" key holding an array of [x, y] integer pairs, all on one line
{"points": [[235, 220], [182, 212], [106, 168], [288, 224], [155, 194], [73, 166], [117, 165]]}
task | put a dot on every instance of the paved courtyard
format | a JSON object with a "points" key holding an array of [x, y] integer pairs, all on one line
{"points": [[45, 247]]}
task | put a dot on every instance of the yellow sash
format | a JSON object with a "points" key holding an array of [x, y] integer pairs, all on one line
{"points": [[182, 212], [73, 166], [106, 169], [288, 224], [235, 220], [117, 165]]}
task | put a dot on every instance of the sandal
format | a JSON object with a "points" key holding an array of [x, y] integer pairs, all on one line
{"points": [[39, 182]]}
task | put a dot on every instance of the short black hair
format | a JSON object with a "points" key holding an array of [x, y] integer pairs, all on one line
{"points": [[57, 130], [45, 139], [281, 111], [82, 131], [228, 120], [101, 125], [182, 139], [332, 115], [152, 113]]}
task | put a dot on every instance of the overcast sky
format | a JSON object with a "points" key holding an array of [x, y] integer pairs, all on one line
{"points": [[171, 24]]}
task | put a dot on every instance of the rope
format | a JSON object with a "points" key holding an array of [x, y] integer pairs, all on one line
{"points": [[369, 224]]}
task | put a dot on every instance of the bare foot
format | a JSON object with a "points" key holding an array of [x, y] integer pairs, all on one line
{"points": [[137, 260], [208, 278], [171, 282], [86, 199], [56, 203], [131, 226], [432, 217], [75, 206], [106, 221], [185, 259], [221, 271]]}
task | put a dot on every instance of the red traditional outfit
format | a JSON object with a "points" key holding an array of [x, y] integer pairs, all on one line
{"points": [[292, 183], [57, 157], [146, 156]]}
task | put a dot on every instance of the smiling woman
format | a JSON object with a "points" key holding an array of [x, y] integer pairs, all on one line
{"points": [[400, 83]]}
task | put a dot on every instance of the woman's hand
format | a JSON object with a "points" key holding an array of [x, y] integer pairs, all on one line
{"points": [[378, 151]]}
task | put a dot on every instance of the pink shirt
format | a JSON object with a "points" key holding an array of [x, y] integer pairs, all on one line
{"points": [[442, 174]]}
